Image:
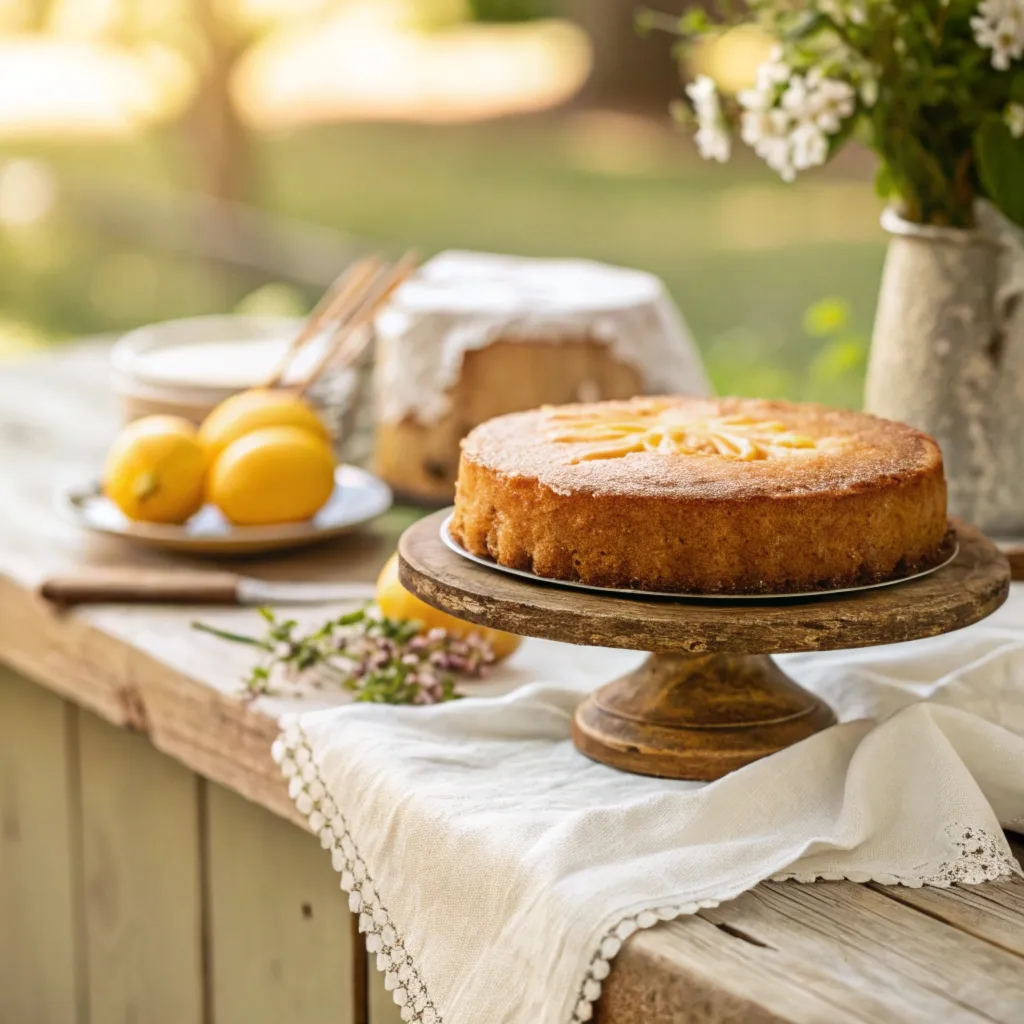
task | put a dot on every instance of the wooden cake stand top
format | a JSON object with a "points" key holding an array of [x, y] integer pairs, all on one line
{"points": [[973, 586], [709, 699]]}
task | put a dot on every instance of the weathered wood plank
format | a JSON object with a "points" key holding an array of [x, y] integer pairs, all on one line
{"points": [[920, 965], [280, 933], [41, 976], [140, 829], [831, 951], [690, 972], [200, 724], [993, 912]]}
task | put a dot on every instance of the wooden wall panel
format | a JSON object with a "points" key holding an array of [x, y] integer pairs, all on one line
{"points": [[142, 891], [383, 1009], [281, 946], [40, 977]]}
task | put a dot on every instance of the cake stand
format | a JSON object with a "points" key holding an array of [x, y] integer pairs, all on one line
{"points": [[709, 698]]}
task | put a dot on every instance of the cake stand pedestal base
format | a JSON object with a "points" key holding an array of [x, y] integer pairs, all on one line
{"points": [[696, 716]]}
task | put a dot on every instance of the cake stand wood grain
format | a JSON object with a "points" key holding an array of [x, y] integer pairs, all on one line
{"points": [[709, 699]]}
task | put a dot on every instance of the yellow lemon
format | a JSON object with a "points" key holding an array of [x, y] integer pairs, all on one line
{"points": [[247, 411], [273, 475], [396, 602], [154, 470]]}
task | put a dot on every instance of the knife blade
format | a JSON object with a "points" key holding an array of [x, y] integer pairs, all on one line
{"points": [[158, 586]]}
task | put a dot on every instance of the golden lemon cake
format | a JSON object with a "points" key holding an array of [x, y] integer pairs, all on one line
{"points": [[702, 495]]}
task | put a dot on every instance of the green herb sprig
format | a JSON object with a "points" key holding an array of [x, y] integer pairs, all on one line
{"points": [[377, 659]]}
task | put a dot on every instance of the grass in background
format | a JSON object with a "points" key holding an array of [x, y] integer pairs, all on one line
{"points": [[745, 256]]}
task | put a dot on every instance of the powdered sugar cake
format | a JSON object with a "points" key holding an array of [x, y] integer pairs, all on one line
{"points": [[475, 335], [702, 495]]}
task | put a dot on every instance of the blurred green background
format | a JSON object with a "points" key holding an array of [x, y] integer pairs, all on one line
{"points": [[163, 158]]}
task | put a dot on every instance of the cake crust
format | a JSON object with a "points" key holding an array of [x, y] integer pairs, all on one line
{"points": [[699, 496]]}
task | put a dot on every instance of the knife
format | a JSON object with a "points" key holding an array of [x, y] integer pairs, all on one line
{"points": [[157, 586]]}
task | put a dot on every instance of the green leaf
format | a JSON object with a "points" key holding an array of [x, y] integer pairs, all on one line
{"points": [[1017, 87], [804, 25], [839, 358], [1001, 166], [884, 185], [643, 22], [826, 317], [694, 21]]}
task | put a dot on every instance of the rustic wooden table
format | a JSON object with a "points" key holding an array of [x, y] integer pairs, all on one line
{"points": [[153, 869]]}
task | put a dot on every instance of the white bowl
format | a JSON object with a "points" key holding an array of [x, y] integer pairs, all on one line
{"points": [[197, 362], [187, 367]]}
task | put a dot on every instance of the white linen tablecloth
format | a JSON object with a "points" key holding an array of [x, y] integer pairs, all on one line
{"points": [[497, 871]]}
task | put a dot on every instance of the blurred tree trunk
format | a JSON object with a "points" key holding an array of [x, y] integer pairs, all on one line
{"points": [[217, 136], [629, 71]]}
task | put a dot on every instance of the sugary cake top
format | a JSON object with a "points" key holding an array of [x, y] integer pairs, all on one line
{"points": [[694, 447], [511, 286]]}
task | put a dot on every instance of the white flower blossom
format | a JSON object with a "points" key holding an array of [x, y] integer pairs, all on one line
{"points": [[1014, 117], [832, 102], [774, 71], [796, 100], [787, 118], [809, 146], [712, 136], [999, 26], [767, 133], [755, 99], [713, 144]]}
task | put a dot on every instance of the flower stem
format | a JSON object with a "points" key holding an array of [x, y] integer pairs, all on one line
{"points": [[238, 638]]}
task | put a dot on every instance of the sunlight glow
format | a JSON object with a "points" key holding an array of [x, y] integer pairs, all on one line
{"points": [[732, 59], [49, 85], [358, 68], [28, 192]]}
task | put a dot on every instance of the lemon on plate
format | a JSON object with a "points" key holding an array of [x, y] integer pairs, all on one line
{"points": [[396, 602], [247, 411], [154, 470], [272, 475]]}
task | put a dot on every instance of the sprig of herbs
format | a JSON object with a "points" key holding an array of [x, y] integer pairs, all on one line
{"points": [[377, 659]]}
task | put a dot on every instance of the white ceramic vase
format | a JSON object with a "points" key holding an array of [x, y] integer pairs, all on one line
{"points": [[947, 356]]}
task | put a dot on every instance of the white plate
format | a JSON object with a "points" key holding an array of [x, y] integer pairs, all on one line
{"points": [[455, 546], [358, 497]]}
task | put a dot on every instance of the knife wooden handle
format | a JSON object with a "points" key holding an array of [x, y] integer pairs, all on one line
{"points": [[142, 586]]}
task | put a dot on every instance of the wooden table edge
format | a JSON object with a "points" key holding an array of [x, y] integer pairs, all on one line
{"points": [[138, 692], [133, 690]]}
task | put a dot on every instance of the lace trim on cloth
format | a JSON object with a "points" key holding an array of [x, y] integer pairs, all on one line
{"points": [[982, 858]]}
